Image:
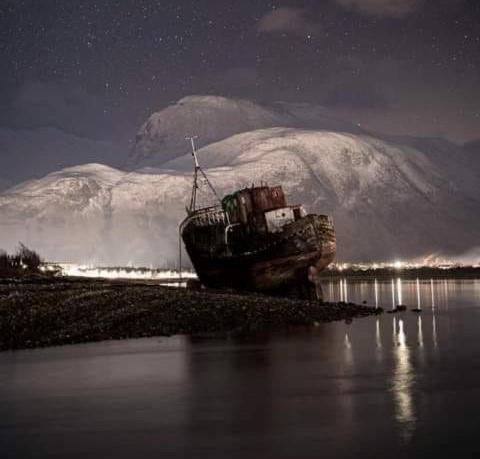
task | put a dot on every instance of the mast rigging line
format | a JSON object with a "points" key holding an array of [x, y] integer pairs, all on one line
{"points": [[198, 169]]}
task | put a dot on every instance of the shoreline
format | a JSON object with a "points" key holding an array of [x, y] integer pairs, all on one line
{"points": [[41, 311]]}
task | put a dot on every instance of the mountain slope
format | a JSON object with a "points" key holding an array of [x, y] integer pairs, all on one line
{"points": [[387, 201], [455, 162], [213, 118]]}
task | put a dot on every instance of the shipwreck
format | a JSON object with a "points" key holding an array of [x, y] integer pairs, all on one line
{"points": [[252, 240]]}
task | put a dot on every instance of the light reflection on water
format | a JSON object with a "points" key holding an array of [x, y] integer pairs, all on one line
{"points": [[393, 292], [378, 337], [433, 299], [417, 286], [378, 387], [402, 382], [420, 331]]}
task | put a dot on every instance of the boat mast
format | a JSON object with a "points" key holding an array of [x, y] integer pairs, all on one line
{"points": [[197, 170]]}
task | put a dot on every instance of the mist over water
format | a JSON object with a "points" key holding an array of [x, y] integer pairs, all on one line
{"points": [[396, 385]]}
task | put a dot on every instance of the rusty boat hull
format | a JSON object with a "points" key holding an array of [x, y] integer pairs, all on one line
{"points": [[286, 262]]}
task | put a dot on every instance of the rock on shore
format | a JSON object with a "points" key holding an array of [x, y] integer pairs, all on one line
{"points": [[45, 312]]}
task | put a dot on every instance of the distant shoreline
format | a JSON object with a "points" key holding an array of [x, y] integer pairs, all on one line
{"points": [[39, 311]]}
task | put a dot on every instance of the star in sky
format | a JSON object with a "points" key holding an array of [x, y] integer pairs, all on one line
{"points": [[380, 61]]}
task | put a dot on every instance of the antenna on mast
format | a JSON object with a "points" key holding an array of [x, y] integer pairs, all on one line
{"points": [[193, 198], [194, 150]]}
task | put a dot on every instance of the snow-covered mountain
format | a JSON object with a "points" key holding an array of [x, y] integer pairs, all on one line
{"points": [[95, 214], [213, 118], [458, 164], [387, 200]]}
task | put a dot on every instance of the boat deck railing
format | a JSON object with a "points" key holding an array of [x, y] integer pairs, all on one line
{"points": [[207, 216]]}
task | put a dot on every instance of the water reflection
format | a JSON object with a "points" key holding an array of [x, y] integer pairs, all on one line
{"points": [[434, 331], [434, 322], [402, 382], [420, 331], [343, 288], [393, 294], [378, 337], [430, 295], [348, 344], [399, 291], [415, 338], [336, 390], [433, 295], [476, 289], [445, 288], [419, 305], [348, 350]]}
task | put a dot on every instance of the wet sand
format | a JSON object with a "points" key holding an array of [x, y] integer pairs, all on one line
{"points": [[39, 311]]}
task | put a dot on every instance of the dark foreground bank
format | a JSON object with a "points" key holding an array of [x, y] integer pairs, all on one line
{"points": [[39, 312]]}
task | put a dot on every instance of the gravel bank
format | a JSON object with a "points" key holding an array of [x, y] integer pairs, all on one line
{"points": [[39, 312]]}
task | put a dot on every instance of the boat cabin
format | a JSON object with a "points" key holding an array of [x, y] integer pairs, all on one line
{"points": [[262, 209]]}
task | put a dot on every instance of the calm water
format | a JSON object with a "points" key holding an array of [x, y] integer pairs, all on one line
{"points": [[395, 386]]}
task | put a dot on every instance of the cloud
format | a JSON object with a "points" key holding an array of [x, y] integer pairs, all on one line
{"points": [[285, 19], [385, 8]]}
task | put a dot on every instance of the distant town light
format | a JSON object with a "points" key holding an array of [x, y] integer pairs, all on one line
{"points": [[398, 264]]}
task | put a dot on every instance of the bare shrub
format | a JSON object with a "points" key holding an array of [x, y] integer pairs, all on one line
{"points": [[28, 258], [4, 260], [24, 260]]}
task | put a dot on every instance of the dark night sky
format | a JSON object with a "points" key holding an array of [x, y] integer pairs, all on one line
{"points": [[97, 68]]}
